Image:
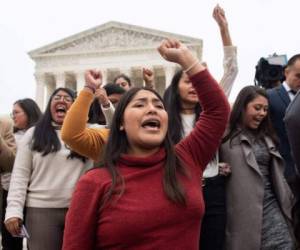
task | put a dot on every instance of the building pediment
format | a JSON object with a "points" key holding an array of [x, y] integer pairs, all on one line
{"points": [[110, 37]]}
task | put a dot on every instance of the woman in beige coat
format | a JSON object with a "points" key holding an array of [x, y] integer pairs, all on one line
{"points": [[7, 145], [259, 200]]}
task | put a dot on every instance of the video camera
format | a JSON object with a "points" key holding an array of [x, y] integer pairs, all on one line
{"points": [[270, 71]]}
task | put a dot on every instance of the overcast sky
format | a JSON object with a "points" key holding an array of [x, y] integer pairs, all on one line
{"points": [[258, 27]]}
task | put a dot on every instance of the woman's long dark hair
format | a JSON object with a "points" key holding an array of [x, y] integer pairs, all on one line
{"points": [[45, 139], [118, 144], [31, 110], [246, 95], [173, 107], [95, 113]]}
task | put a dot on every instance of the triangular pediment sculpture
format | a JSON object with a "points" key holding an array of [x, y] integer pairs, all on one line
{"points": [[108, 37]]}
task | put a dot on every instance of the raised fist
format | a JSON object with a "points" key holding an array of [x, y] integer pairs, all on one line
{"points": [[93, 78], [148, 77], [219, 16], [174, 51]]}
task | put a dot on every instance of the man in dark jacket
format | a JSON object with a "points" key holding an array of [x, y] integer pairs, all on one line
{"points": [[279, 99], [292, 123]]}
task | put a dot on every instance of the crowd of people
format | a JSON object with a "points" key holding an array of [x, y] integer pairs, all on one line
{"points": [[120, 167]]}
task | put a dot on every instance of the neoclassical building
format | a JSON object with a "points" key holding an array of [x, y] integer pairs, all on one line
{"points": [[113, 48]]}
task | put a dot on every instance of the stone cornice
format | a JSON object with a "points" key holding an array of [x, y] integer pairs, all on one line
{"points": [[101, 32], [110, 52]]}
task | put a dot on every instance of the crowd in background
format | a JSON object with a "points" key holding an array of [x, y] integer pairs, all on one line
{"points": [[120, 167]]}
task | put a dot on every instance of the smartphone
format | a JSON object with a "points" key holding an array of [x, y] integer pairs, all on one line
{"points": [[24, 233]]}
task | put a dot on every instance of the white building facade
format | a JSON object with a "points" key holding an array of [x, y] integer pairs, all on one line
{"points": [[113, 48]]}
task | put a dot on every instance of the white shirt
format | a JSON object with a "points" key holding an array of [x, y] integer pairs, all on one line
{"points": [[188, 121], [288, 90]]}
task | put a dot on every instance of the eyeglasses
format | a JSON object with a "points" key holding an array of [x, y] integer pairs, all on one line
{"points": [[65, 98], [15, 113]]}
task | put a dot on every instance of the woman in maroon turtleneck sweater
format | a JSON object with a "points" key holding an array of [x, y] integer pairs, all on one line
{"points": [[146, 195]]}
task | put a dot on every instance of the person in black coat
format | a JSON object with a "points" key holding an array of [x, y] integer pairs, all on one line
{"points": [[279, 99], [292, 124]]}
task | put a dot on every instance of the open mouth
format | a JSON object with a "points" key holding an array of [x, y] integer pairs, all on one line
{"points": [[258, 121], [61, 110], [192, 92], [152, 124]]}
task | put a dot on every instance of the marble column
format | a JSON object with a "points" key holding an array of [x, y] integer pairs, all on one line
{"points": [[137, 76], [80, 80], [40, 90], [104, 76], [60, 80], [50, 87], [126, 71], [169, 73]]}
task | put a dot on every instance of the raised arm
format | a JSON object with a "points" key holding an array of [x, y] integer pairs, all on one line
{"points": [[7, 146], [230, 52], [204, 140], [219, 16], [148, 77], [292, 123], [85, 141], [107, 107], [108, 112]]}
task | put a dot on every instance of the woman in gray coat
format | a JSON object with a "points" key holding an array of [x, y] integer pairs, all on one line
{"points": [[259, 200]]}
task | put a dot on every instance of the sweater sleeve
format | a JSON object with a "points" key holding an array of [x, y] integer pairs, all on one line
{"points": [[108, 114], [20, 178], [202, 143], [86, 141], [82, 217], [230, 69], [7, 147]]}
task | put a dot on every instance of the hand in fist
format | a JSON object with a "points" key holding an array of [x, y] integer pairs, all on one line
{"points": [[93, 78], [219, 16], [148, 77], [175, 51]]}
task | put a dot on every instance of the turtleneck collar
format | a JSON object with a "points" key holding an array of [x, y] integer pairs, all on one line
{"points": [[148, 161], [56, 126]]}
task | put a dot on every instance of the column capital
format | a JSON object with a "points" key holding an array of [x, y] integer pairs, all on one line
{"points": [[59, 73], [39, 77]]}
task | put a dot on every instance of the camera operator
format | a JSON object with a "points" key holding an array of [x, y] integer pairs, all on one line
{"points": [[279, 99], [268, 75]]}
